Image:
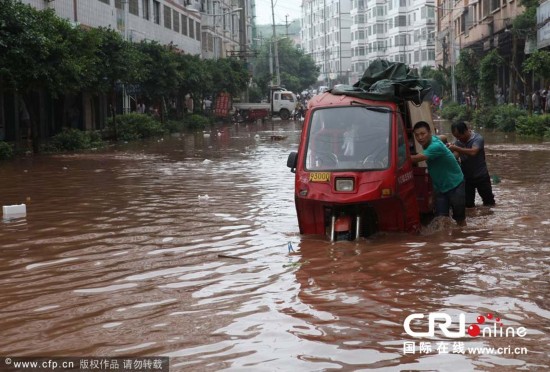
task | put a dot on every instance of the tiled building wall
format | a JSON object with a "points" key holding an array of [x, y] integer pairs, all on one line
{"points": [[97, 13]]}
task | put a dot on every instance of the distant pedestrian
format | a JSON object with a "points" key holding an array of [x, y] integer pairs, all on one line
{"points": [[470, 146], [536, 101]]}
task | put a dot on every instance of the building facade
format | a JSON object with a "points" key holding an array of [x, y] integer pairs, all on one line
{"points": [[209, 28], [167, 22], [344, 37], [482, 26], [326, 37]]}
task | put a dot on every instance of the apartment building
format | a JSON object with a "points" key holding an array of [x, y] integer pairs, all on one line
{"points": [[345, 36], [482, 25], [210, 28], [226, 27], [326, 36], [164, 21]]}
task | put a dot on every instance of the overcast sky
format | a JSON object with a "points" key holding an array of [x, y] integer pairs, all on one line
{"points": [[282, 8]]}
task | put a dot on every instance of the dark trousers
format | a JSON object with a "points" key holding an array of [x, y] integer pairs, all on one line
{"points": [[484, 188]]}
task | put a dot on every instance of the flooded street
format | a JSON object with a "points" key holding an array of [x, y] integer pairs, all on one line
{"points": [[179, 248]]}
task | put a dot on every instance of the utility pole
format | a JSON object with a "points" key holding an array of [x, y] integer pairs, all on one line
{"points": [[277, 70], [286, 24], [325, 41]]}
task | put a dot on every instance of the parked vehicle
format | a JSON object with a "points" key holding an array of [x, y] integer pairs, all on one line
{"points": [[354, 174], [281, 103]]}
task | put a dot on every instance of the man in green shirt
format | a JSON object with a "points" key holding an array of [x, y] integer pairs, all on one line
{"points": [[445, 172]]}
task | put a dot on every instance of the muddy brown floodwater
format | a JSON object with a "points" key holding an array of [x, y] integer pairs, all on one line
{"points": [[119, 256]]}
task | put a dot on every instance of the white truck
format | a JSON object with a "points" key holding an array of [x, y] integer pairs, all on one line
{"points": [[281, 103]]}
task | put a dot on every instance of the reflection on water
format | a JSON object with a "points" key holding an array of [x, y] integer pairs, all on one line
{"points": [[119, 256]]}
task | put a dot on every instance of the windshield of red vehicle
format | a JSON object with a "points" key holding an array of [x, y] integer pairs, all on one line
{"points": [[348, 138]]}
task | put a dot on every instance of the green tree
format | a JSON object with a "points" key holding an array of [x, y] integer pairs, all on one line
{"points": [[40, 52], [538, 63], [488, 77], [440, 79], [116, 62], [297, 70], [161, 76], [467, 70]]}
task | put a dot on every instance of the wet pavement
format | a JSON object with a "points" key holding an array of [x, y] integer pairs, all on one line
{"points": [[178, 248]]}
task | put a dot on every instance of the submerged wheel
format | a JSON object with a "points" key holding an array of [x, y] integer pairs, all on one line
{"points": [[284, 114]]}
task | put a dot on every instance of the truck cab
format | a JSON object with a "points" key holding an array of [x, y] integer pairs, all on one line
{"points": [[283, 103], [354, 174]]}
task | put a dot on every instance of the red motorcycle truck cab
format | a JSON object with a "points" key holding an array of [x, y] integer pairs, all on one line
{"points": [[354, 174]]}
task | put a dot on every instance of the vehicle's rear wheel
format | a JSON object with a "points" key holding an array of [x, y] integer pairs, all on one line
{"points": [[284, 114]]}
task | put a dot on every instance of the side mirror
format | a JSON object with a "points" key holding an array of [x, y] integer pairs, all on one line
{"points": [[292, 161]]}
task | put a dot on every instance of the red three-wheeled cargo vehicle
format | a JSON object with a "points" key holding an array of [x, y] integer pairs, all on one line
{"points": [[354, 174]]}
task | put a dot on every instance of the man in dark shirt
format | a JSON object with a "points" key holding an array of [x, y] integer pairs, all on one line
{"points": [[470, 146]]}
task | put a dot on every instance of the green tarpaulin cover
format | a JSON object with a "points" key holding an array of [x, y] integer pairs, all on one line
{"points": [[387, 81]]}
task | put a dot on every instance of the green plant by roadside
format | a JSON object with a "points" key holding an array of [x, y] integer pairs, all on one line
{"points": [[6, 150], [196, 122], [174, 126], [455, 112], [484, 117], [506, 117], [134, 126], [72, 140], [535, 125]]}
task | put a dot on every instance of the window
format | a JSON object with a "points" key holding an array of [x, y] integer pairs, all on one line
{"points": [[145, 8], [287, 97], [401, 147], [167, 17], [348, 138], [191, 28], [156, 12], [176, 21], [184, 24], [106, 2], [119, 4], [198, 30], [133, 7], [400, 21]]}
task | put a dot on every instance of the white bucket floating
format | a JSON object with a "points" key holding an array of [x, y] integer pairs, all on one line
{"points": [[14, 211]]}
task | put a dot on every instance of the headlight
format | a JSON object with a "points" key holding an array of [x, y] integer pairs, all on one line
{"points": [[344, 184]]}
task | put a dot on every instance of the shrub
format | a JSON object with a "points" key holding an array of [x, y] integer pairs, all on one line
{"points": [[74, 139], [6, 150], [484, 117], [134, 126], [506, 117], [455, 112], [174, 126], [196, 122], [535, 125]]}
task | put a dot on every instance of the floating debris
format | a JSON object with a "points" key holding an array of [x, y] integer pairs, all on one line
{"points": [[290, 249], [231, 257]]}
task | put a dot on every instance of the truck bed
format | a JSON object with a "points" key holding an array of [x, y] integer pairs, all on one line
{"points": [[252, 106]]}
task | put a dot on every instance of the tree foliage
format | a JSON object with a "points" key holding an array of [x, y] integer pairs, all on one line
{"points": [[39, 50], [440, 79], [538, 63], [488, 77], [467, 70], [297, 70]]}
